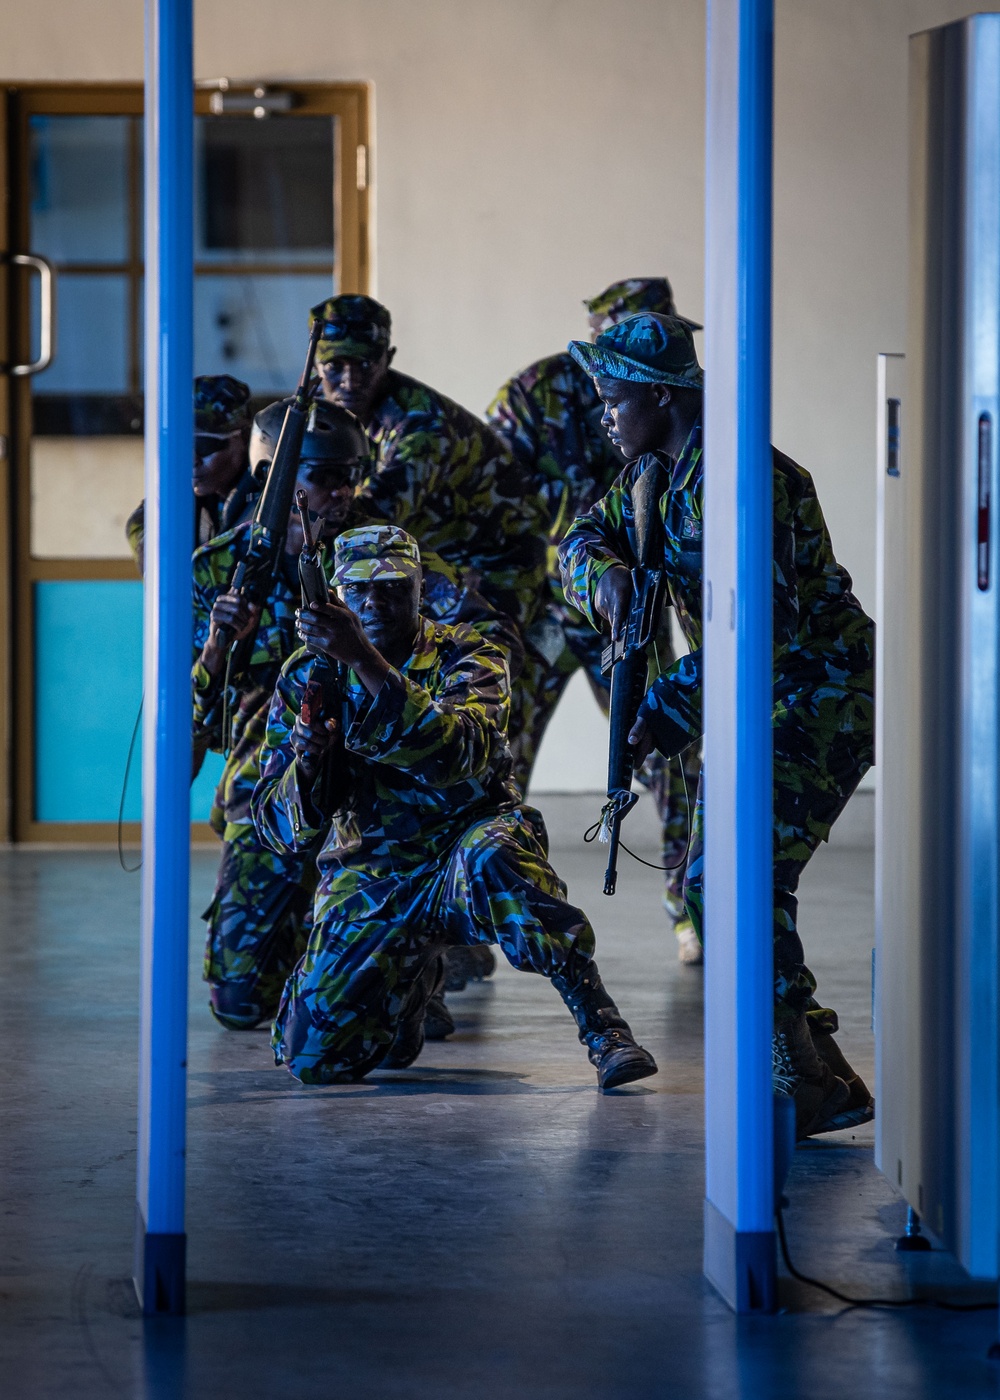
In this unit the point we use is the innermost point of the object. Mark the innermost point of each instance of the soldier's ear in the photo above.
(390, 355)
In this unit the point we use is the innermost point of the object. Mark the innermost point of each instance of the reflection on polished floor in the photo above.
(481, 1224)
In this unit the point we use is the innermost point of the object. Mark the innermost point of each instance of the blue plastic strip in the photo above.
(166, 738)
(738, 643)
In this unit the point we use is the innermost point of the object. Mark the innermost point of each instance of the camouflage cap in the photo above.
(354, 328)
(375, 552)
(221, 403)
(629, 297)
(646, 349)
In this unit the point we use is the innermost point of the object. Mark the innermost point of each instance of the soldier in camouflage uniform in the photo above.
(648, 375)
(224, 490)
(430, 843)
(437, 471)
(257, 915)
(550, 416)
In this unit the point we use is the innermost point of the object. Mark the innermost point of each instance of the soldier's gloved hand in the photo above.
(234, 616)
(613, 597)
(333, 630)
(311, 741)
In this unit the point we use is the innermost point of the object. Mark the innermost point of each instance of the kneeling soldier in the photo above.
(428, 842)
(262, 898)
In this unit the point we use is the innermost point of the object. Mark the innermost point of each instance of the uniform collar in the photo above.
(422, 656)
(687, 463)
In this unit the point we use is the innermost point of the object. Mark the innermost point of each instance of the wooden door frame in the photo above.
(350, 104)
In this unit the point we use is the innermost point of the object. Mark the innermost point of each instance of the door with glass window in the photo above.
(281, 222)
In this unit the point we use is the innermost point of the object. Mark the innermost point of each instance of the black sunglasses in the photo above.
(205, 444)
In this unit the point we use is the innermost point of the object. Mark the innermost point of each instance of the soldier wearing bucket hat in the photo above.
(432, 847)
(550, 416)
(223, 488)
(438, 471)
(647, 373)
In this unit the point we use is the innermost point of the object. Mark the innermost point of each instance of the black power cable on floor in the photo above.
(129, 869)
(868, 1302)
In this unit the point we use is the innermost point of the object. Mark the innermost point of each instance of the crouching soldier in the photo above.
(257, 917)
(224, 490)
(428, 842)
(648, 375)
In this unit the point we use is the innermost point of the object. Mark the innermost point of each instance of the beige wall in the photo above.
(527, 152)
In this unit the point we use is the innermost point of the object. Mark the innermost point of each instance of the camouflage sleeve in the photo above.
(284, 814)
(595, 543)
(204, 690)
(449, 598)
(672, 705)
(785, 621)
(440, 738)
(412, 459)
(515, 416)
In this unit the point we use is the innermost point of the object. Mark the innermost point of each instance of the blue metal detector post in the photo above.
(166, 735)
(739, 1206)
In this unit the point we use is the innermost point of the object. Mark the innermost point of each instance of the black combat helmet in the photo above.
(332, 435)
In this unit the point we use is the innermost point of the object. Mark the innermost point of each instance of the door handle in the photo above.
(47, 318)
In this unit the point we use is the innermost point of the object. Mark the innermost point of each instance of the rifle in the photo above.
(324, 691)
(624, 659)
(254, 575)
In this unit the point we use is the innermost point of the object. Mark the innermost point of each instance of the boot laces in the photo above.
(784, 1074)
(614, 1038)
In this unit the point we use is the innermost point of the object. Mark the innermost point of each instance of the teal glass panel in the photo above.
(92, 345)
(256, 326)
(79, 188)
(88, 686)
(88, 683)
(264, 190)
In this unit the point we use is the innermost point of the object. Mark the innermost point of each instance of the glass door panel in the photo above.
(270, 241)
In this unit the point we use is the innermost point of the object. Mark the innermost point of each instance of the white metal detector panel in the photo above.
(938, 817)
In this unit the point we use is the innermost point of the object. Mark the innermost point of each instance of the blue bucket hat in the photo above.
(646, 349)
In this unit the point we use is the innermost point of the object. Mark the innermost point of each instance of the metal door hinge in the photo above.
(362, 167)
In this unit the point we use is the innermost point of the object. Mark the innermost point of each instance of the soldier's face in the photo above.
(355, 384)
(636, 416)
(389, 610)
(329, 487)
(219, 459)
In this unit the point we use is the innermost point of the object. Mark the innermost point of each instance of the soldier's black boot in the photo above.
(235, 1005)
(468, 962)
(799, 1073)
(438, 1021)
(860, 1107)
(409, 1039)
(603, 1029)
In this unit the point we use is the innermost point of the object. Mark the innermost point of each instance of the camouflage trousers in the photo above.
(342, 1004)
(257, 927)
(557, 649)
(818, 763)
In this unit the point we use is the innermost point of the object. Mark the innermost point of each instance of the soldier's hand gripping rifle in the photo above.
(625, 658)
(323, 695)
(254, 575)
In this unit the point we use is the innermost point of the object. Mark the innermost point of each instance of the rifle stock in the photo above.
(625, 659)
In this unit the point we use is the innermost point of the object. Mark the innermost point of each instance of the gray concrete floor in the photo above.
(483, 1223)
